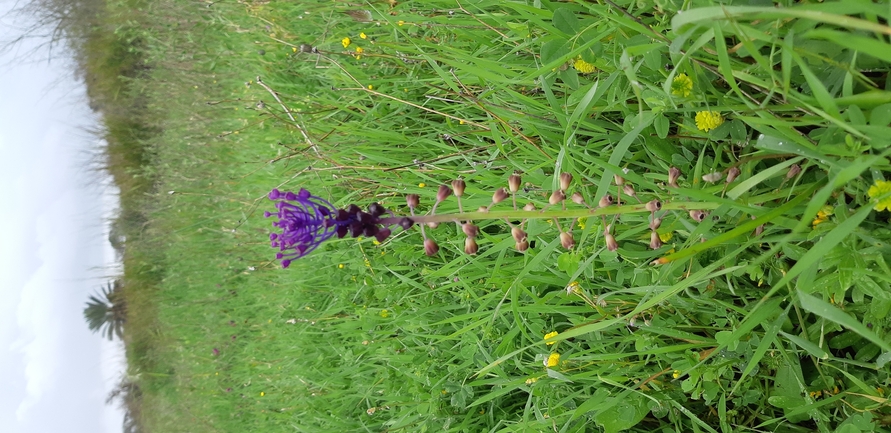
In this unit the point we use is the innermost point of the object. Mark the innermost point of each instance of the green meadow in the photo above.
(761, 128)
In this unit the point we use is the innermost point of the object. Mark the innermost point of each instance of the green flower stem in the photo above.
(535, 214)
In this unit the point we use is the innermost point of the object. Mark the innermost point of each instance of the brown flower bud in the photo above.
(522, 246)
(470, 246)
(793, 171)
(458, 187)
(499, 196)
(759, 230)
(443, 193)
(655, 223)
(673, 175)
(653, 205)
(732, 174)
(518, 234)
(566, 240)
(483, 209)
(655, 242)
(513, 182)
(413, 200)
(611, 243)
(557, 197)
(430, 247)
(529, 207)
(618, 179)
(697, 215)
(606, 201)
(577, 198)
(565, 180)
(629, 190)
(433, 224)
(470, 230)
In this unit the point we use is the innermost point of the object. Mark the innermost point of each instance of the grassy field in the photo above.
(767, 307)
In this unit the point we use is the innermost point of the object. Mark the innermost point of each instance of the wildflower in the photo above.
(370, 87)
(583, 66)
(553, 360)
(346, 42)
(550, 335)
(682, 85)
(665, 237)
(421, 185)
(708, 120)
(385, 314)
(878, 189)
(582, 222)
(573, 287)
(359, 51)
(262, 393)
(400, 23)
(676, 374)
(823, 215)
(306, 221)
(363, 35)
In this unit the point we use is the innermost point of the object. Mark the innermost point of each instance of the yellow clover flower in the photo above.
(583, 66)
(553, 360)
(682, 85)
(363, 35)
(345, 42)
(823, 215)
(878, 189)
(708, 120)
(550, 335)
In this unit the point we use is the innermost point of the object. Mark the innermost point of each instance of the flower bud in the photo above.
(655, 242)
(406, 223)
(566, 240)
(499, 196)
(653, 205)
(628, 189)
(470, 246)
(732, 174)
(376, 210)
(673, 175)
(430, 247)
(433, 224)
(522, 246)
(458, 187)
(483, 209)
(518, 234)
(470, 230)
(655, 223)
(557, 197)
(513, 182)
(443, 193)
(577, 198)
(793, 171)
(606, 201)
(611, 243)
(413, 200)
(697, 215)
(529, 207)
(382, 234)
(619, 179)
(565, 180)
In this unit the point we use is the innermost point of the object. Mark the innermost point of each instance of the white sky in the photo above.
(54, 253)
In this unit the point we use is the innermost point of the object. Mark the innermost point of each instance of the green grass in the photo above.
(783, 331)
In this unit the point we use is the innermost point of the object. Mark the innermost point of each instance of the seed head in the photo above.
(470, 230)
(793, 171)
(628, 189)
(557, 197)
(577, 198)
(513, 182)
(430, 247)
(606, 200)
(619, 179)
(529, 207)
(443, 193)
(499, 196)
(611, 243)
(413, 200)
(458, 187)
(673, 175)
(566, 240)
(433, 224)
(565, 180)
(697, 215)
(518, 234)
(470, 246)
(655, 223)
(655, 242)
(653, 205)
(483, 209)
(522, 246)
(732, 174)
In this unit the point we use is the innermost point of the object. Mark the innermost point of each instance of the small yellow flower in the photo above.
(532, 380)
(553, 360)
(708, 120)
(294, 49)
(385, 314)
(665, 237)
(461, 122)
(421, 185)
(583, 66)
(346, 42)
(582, 221)
(878, 189)
(363, 35)
(359, 50)
(370, 87)
(682, 85)
(262, 393)
(676, 374)
(823, 215)
(375, 242)
(400, 23)
(550, 335)
(340, 266)
(573, 287)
